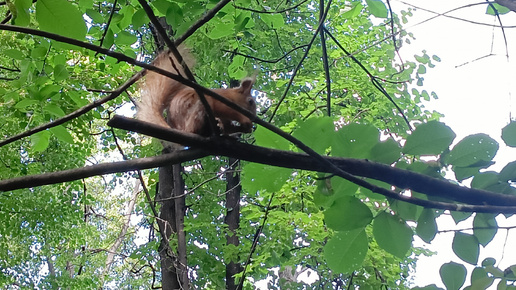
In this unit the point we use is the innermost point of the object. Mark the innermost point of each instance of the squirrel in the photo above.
(183, 107)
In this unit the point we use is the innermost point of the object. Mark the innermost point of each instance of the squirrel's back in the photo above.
(158, 90)
(183, 106)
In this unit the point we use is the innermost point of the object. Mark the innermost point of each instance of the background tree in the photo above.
(329, 75)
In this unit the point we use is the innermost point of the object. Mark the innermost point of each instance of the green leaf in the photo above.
(274, 21)
(40, 141)
(355, 140)
(220, 30)
(22, 16)
(347, 213)
(509, 134)
(480, 279)
(459, 216)
(54, 110)
(426, 226)
(430, 138)
(62, 134)
(405, 210)
(377, 8)
(125, 38)
(386, 152)
(508, 172)
(316, 133)
(60, 72)
(499, 8)
(266, 138)
(139, 18)
(472, 150)
(60, 17)
(259, 176)
(343, 187)
(25, 103)
(353, 12)
(345, 251)
(466, 247)
(485, 228)
(453, 275)
(14, 54)
(392, 234)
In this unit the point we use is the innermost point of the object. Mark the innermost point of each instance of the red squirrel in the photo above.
(184, 110)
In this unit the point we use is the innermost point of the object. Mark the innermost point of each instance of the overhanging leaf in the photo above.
(426, 226)
(60, 17)
(40, 141)
(484, 228)
(62, 134)
(474, 149)
(509, 134)
(316, 133)
(347, 213)
(259, 176)
(466, 247)
(377, 8)
(392, 234)
(430, 138)
(346, 251)
(453, 275)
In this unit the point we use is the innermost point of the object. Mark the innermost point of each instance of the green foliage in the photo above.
(60, 17)
(346, 250)
(453, 275)
(392, 234)
(466, 247)
(509, 134)
(430, 138)
(365, 239)
(347, 213)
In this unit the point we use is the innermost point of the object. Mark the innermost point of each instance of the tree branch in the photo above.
(476, 200)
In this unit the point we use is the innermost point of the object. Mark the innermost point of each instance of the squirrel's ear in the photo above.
(246, 85)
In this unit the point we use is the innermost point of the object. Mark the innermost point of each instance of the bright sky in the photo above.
(474, 89)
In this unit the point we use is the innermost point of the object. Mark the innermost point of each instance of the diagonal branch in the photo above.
(316, 32)
(76, 113)
(374, 80)
(477, 200)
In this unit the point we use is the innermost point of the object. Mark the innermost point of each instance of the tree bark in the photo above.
(167, 226)
(233, 190)
(179, 199)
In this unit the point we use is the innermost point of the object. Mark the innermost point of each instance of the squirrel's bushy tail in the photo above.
(158, 90)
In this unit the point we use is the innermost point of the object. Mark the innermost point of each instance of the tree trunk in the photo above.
(167, 226)
(232, 219)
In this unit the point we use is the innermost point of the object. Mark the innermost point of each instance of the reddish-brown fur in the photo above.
(182, 104)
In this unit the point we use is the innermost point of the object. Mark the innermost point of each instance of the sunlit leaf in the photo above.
(60, 17)
(377, 8)
(40, 141)
(62, 134)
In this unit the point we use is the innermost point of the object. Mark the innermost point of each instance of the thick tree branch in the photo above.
(475, 199)
(99, 169)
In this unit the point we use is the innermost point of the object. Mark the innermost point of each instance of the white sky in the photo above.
(475, 97)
